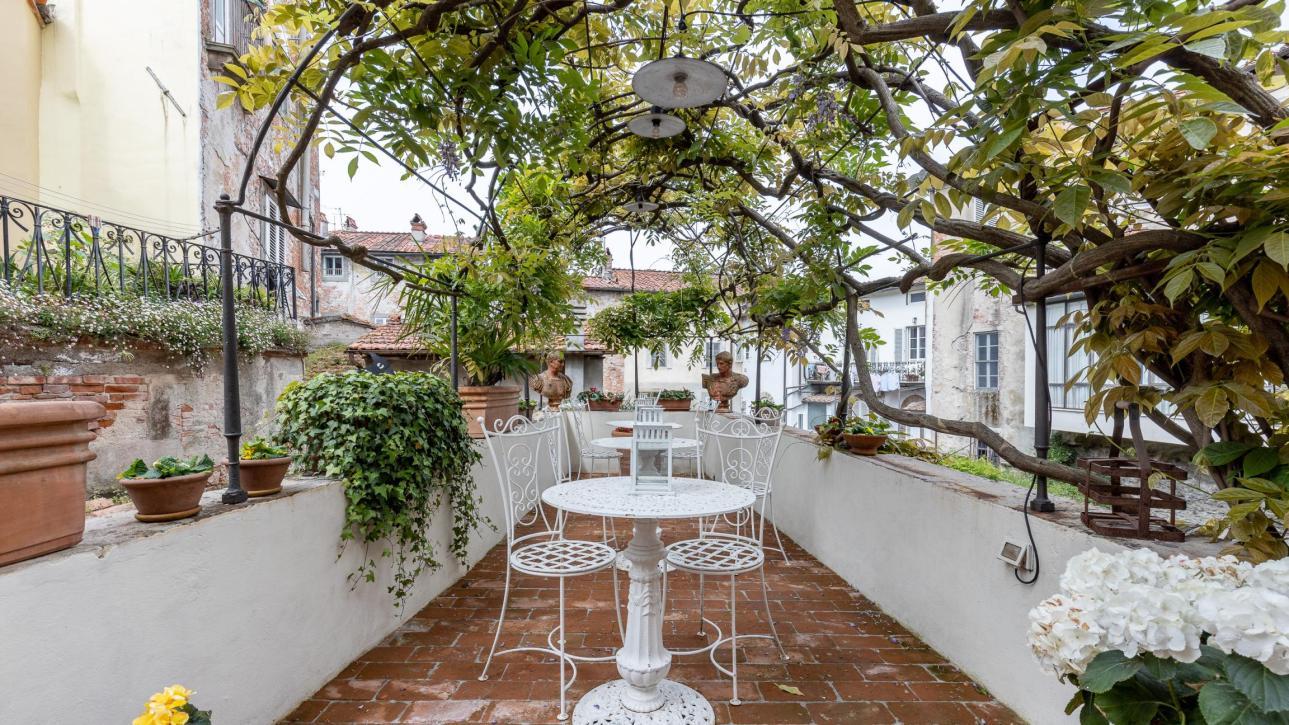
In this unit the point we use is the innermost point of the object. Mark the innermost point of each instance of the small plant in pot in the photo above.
(597, 399)
(169, 489)
(865, 434)
(263, 466)
(527, 407)
(675, 399)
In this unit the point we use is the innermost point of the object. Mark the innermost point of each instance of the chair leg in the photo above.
(702, 623)
(734, 639)
(563, 662)
(765, 597)
(617, 600)
(501, 619)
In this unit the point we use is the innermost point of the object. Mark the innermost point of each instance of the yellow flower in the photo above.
(163, 707)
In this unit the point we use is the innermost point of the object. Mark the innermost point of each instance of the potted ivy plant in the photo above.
(169, 489)
(597, 399)
(865, 434)
(675, 399)
(263, 467)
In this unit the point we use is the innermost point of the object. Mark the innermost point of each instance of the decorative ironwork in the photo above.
(54, 251)
(910, 371)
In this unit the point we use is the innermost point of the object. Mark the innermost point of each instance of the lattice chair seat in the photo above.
(716, 554)
(562, 557)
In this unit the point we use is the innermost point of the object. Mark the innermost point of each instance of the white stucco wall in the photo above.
(107, 134)
(20, 111)
(250, 608)
(920, 541)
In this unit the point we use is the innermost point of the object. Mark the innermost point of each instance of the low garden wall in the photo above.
(156, 405)
(249, 606)
(920, 541)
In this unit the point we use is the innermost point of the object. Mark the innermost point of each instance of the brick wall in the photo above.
(156, 406)
(124, 396)
(614, 373)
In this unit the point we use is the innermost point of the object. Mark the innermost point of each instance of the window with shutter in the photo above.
(899, 345)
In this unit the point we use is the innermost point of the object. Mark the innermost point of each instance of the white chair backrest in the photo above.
(525, 456)
(651, 448)
(744, 448)
(647, 400)
(580, 424)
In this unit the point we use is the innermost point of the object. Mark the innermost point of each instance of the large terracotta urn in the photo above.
(44, 447)
(491, 402)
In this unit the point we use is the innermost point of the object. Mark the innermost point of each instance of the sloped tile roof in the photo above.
(389, 338)
(401, 242)
(647, 280)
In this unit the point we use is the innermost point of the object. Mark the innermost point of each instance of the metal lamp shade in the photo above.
(656, 125)
(680, 82)
(640, 207)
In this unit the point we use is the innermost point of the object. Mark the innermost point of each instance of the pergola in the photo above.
(1125, 158)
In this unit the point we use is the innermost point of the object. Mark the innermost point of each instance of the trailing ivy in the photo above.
(400, 443)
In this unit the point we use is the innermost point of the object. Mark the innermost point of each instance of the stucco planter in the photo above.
(492, 403)
(263, 476)
(864, 445)
(166, 499)
(44, 447)
(675, 405)
(607, 406)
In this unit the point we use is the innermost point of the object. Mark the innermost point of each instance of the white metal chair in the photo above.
(745, 456)
(732, 426)
(702, 410)
(646, 400)
(523, 454)
(582, 437)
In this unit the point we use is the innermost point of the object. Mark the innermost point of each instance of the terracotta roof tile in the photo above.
(388, 338)
(647, 280)
(401, 242)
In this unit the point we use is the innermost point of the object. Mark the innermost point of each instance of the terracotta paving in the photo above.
(851, 662)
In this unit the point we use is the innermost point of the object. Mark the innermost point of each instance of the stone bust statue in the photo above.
(724, 384)
(552, 382)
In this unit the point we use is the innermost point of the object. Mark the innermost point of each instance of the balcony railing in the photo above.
(54, 251)
(910, 371)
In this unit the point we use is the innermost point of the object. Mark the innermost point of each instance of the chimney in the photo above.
(350, 224)
(324, 224)
(418, 228)
(607, 273)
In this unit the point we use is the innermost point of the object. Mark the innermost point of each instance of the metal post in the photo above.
(758, 369)
(234, 494)
(454, 358)
(842, 405)
(1042, 396)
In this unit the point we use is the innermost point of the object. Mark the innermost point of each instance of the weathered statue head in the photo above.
(555, 363)
(724, 362)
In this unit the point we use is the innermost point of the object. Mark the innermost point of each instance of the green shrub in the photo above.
(399, 442)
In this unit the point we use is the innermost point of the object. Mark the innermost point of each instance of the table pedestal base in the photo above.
(681, 706)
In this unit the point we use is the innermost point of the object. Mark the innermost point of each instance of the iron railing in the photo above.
(910, 371)
(53, 251)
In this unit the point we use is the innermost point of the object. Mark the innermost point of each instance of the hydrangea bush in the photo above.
(1150, 640)
(182, 328)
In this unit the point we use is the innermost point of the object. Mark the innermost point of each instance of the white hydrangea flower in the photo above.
(1064, 634)
(1250, 621)
(1095, 573)
(1273, 575)
(1141, 618)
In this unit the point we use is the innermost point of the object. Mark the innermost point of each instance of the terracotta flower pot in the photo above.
(263, 476)
(675, 404)
(491, 402)
(44, 447)
(604, 405)
(166, 499)
(864, 445)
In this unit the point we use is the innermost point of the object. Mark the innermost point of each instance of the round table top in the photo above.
(622, 443)
(631, 424)
(611, 496)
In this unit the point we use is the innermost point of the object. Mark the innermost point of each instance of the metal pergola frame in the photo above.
(227, 206)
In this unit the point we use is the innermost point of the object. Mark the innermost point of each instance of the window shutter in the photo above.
(899, 345)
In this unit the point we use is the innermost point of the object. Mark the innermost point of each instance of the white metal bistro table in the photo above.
(644, 696)
(624, 443)
(631, 424)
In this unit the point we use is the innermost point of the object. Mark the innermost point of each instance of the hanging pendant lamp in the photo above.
(680, 82)
(640, 205)
(656, 124)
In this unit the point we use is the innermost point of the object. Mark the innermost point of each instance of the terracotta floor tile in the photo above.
(852, 662)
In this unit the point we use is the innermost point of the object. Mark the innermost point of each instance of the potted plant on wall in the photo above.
(169, 489)
(675, 399)
(527, 408)
(865, 434)
(766, 410)
(597, 399)
(490, 358)
(44, 447)
(263, 467)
